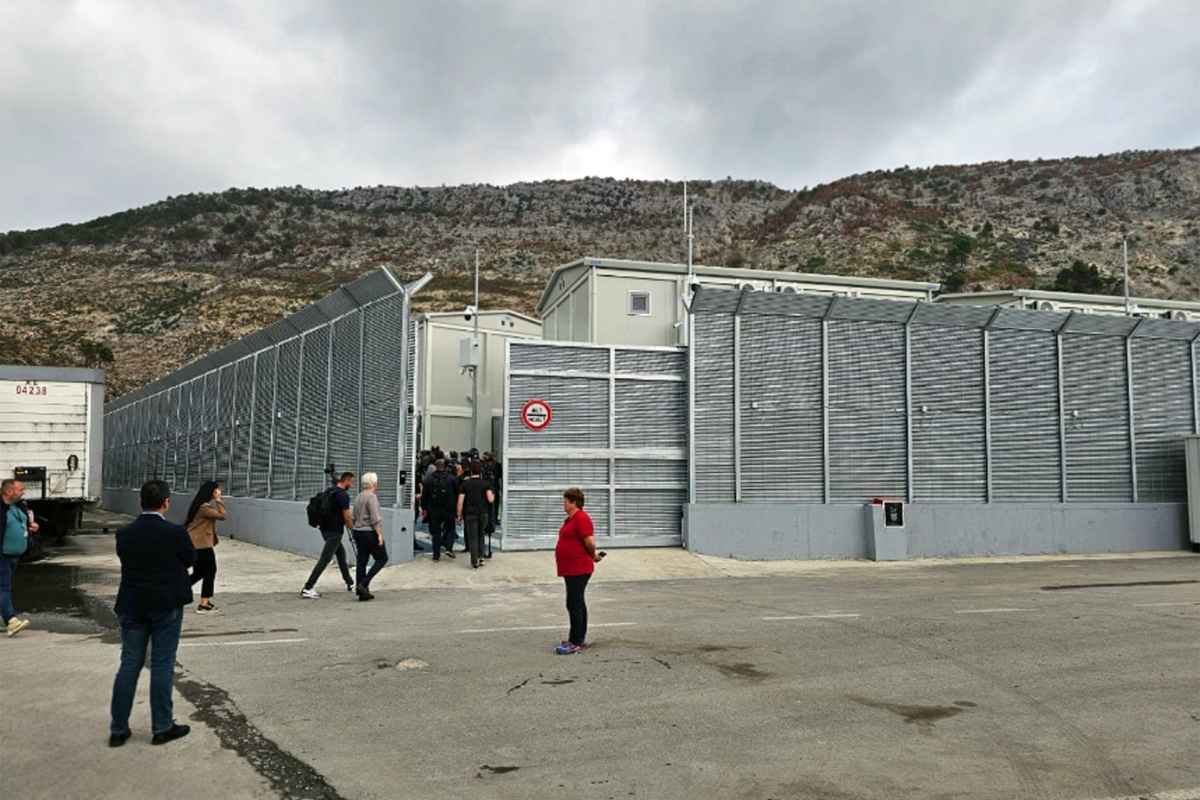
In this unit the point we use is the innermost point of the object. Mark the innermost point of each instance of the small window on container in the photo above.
(639, 304)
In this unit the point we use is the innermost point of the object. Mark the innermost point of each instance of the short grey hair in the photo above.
(370, 479)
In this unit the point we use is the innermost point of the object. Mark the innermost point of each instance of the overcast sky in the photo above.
(105, 105)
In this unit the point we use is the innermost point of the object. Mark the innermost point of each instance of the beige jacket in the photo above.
(203, 529)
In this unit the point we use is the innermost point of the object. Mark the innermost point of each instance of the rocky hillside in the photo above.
(157, 286)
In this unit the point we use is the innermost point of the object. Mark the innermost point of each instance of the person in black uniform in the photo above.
(474, 499)
(438, 497)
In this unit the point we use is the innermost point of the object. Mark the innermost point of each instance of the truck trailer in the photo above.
(52, 440)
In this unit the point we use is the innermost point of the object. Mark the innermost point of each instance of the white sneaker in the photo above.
(310, 594)
(15, 626)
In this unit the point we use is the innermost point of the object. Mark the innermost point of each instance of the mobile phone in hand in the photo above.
(602, 554)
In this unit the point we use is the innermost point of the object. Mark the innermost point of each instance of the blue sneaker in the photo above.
(567, 649)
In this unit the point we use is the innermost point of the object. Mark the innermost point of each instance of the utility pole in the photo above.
(1125, 269)
(477, 359)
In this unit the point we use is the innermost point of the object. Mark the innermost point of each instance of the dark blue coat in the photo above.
(155, 556)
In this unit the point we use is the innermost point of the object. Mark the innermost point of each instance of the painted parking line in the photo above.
(992, 610)
(1165, 605)
(548, 627)
(811, 616)
(241, 644)
(1173, 794)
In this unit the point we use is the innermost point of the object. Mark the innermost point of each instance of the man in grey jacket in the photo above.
(367, 529)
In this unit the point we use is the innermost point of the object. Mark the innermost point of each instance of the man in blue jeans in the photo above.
(155, 557)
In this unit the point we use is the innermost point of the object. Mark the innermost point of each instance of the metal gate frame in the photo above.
(612, 452)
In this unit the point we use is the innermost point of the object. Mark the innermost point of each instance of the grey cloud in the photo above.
(115, 104)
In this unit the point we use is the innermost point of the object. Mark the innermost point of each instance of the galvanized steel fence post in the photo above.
(1133, 470)
(691, 410)
(1195, 397)
(987, 402)
(909, 490)
(1062, 409)
(328, 399)
(362, 380)
(274, 412)
(299, 417)
(737, 399)
(253, 414)
(612, 440)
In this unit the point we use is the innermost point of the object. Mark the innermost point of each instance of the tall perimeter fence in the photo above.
(330, 384)
(808, 399)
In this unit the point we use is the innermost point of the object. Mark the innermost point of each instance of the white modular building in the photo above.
(612, 301)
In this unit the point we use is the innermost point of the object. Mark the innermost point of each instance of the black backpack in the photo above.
(319, 508)
(440, 494)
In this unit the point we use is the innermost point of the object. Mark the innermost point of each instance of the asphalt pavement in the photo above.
(1029, 678)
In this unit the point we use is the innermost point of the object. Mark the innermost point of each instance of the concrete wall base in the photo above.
(769, 531)
(278, 524)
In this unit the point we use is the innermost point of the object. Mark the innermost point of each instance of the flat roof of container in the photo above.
(17, 372)
(673, 268)
(1067, 297)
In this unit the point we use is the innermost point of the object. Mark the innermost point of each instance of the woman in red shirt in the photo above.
(576, 557)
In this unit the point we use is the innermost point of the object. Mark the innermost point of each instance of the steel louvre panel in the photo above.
(871, 310)
(244, 412)
(539, 513)
(260, 445)
(579, 407)
(557, 472)
(649, 512)
(639, 471)
(382, 388)
(563, 359)
(284, 450)
(223, 438)
(1167, 329)
(867, 439)
(651, 414)
(210, 416)
(712, 447)
(709, 300)
(952, 315)
(1163, 415)
(651, 362)
(1097, 419)
(343, 407)
(314, 380)
(948, 427)
(1102, 324)
(195, 452)
(1023, 320)
(781, 399)
(1026, 453)
(785, 304)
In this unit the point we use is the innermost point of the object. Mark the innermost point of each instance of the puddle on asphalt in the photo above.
(47, 593)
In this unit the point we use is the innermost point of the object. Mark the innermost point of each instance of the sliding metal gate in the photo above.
(617, 429)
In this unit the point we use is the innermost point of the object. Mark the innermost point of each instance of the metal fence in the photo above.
(330, 384)
(801, 398)
(618, 430)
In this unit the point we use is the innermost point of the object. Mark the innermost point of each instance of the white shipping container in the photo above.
(53, 418)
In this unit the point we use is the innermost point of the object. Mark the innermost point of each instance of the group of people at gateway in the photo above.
(161, 563)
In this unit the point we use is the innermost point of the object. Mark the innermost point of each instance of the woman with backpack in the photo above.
(207, 508)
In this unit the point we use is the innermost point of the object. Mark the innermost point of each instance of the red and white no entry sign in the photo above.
(536, 414)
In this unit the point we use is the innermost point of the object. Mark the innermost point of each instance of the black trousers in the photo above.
(368, 546)
(333, 547)
(576, 607)
(205, 570)
(473, 533)
(441, 532)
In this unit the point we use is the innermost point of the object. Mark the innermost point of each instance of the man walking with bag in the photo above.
(155, 558)
(335, 520)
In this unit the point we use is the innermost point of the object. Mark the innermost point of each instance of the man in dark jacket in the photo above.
(439, 497)
(155, 557)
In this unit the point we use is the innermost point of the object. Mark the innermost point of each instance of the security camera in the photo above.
(468, 312)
